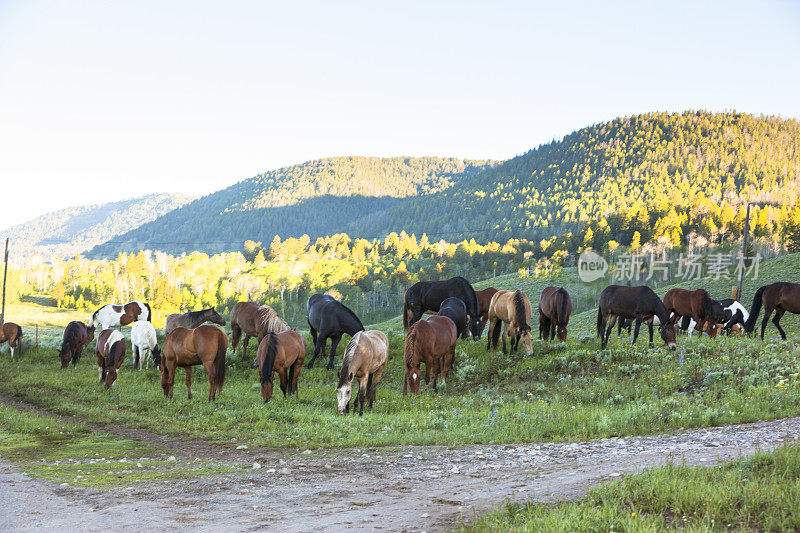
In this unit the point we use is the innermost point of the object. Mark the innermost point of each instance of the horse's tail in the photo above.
(495, 333)
(269, 358)
(406, 309)
(519, 310)
(410, 346)
(562, 311)
(754, 310)
(219, 360)
(149, 312)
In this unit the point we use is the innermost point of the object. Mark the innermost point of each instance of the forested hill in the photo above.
(317, 198)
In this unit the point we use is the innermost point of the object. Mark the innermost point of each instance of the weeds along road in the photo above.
(392, 489)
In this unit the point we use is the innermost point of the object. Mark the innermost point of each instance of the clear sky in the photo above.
(106, 100)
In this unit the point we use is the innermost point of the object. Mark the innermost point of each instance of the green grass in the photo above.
(761, 493)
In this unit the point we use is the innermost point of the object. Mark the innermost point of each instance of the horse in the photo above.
(738, 315)
(11, 332)
(192, 319)
(145, 345)
(431, 341)
(76, 336)
(204, 345)
(779, 297)
(429, 295)
(454, 309)
(364, 360)
(112, 315)
(555, 306)
(695, 304)
(255, 321)
(329, 318)
(484, 299)
(283, 353)
(110, 350)
(640, 303)
(512, 309)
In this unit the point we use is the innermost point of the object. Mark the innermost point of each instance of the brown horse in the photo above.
(12, 333)
(192, 319)
(255, 321)
(640, 303)
(364, 359)
(555, 306)
(76, 336)
(110, 349)
(779, 297)
(512, 309)
(697, 305)
(203, 345)
(484, 299)
(431, 341)
(283, 353)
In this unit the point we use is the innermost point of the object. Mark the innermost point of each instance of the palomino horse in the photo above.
(12, 333)
(697, 305)
(192, 319)
(145, 345)
(429, 295)
(110, 350)
(484, 299)
(255, 321)
(112, 315)
(203, 345)
(364, 360)
(555, 306)
(513, 309)
(779, 297)
(431, 341)
(76, 336)
(283, 353)
(329, 318)
(640, 303)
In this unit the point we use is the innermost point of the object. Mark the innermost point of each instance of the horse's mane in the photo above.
(562, 315)
(352, 314)
(198, 314)
(269, 358)
(269, 320)
(519, 309)
(348, 359)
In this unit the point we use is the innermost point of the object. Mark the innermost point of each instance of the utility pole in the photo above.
(744, 253)
(5, 273)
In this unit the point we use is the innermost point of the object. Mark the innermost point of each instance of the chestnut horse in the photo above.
(203, 345)
(112, 315)
(12, 333)
(431, 341)
(364, 360)
(76, 336)
(512, 309)
(640, 303)
(779, 297)
(555, 306)
(255, 321)
(192, 319)
(484, 299)
(110, 349)
(283, 353)
(696, 305)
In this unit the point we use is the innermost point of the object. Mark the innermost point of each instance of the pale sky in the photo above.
(101, 101)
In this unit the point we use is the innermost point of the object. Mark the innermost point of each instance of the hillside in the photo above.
(316, 198)
(75, 230)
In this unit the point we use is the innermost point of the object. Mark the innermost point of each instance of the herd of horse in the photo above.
(456, 309)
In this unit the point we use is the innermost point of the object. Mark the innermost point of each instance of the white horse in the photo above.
(145, 345)
(112, 315)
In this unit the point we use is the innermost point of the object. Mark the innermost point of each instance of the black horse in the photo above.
(455, 310)
(429, 295)
(329, 318)
(640, 303)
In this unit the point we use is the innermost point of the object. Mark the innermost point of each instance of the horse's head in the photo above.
(527, 339)
(414, 377)
(561, 332)
(668, 334)
(216, 318)
(90, 334)
(109, 375)
(157, 357)
(266, 390)
(64, 355)
(475, 327)
(343, 393)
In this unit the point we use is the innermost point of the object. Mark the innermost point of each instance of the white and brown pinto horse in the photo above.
(364, 360)
(110, 354)
(113, 315)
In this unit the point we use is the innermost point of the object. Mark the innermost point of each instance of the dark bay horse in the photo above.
(192, 319)
(283, 353)
(364, 360)
(112, 315)
(431, 341)
(329, 318)
(512, 309)
(640, 303)
(204, 345)
(110, 348)
(76, 336)
(484, 299)
(254, 321)
(696, 305)
(12, 333)
(555, 306)
(778, 297)
(429, 295)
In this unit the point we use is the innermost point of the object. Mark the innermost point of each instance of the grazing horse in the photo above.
(12, 333)
(192, 319)
(76, 336)
(431, 341)
(110, 349)
(429, 295)
(283, 353)
(695, 304)
(484, 299)
(779, 297)
(329, 318)
(640, 303)
(364, 360)
(454, 309)
(255, 321)
(738, 315)
(512, 309)
(112, 315)
(555, 306)
(145, 345)
(204, 345)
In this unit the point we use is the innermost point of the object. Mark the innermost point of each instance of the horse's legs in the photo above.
(650, 331)
(189, 381)
(374, 379)
(211, 372)
(297, 366)
(284, 381)
(319, 346)
(610, 320)
(489, 329)
(135, 357)
(313, 334)
(362, 391)
(505, 333)
(637, 327)
(767, 313)
(777, 321)
(236, 334)
(436, 369)
(334, 344)
(244, 346)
